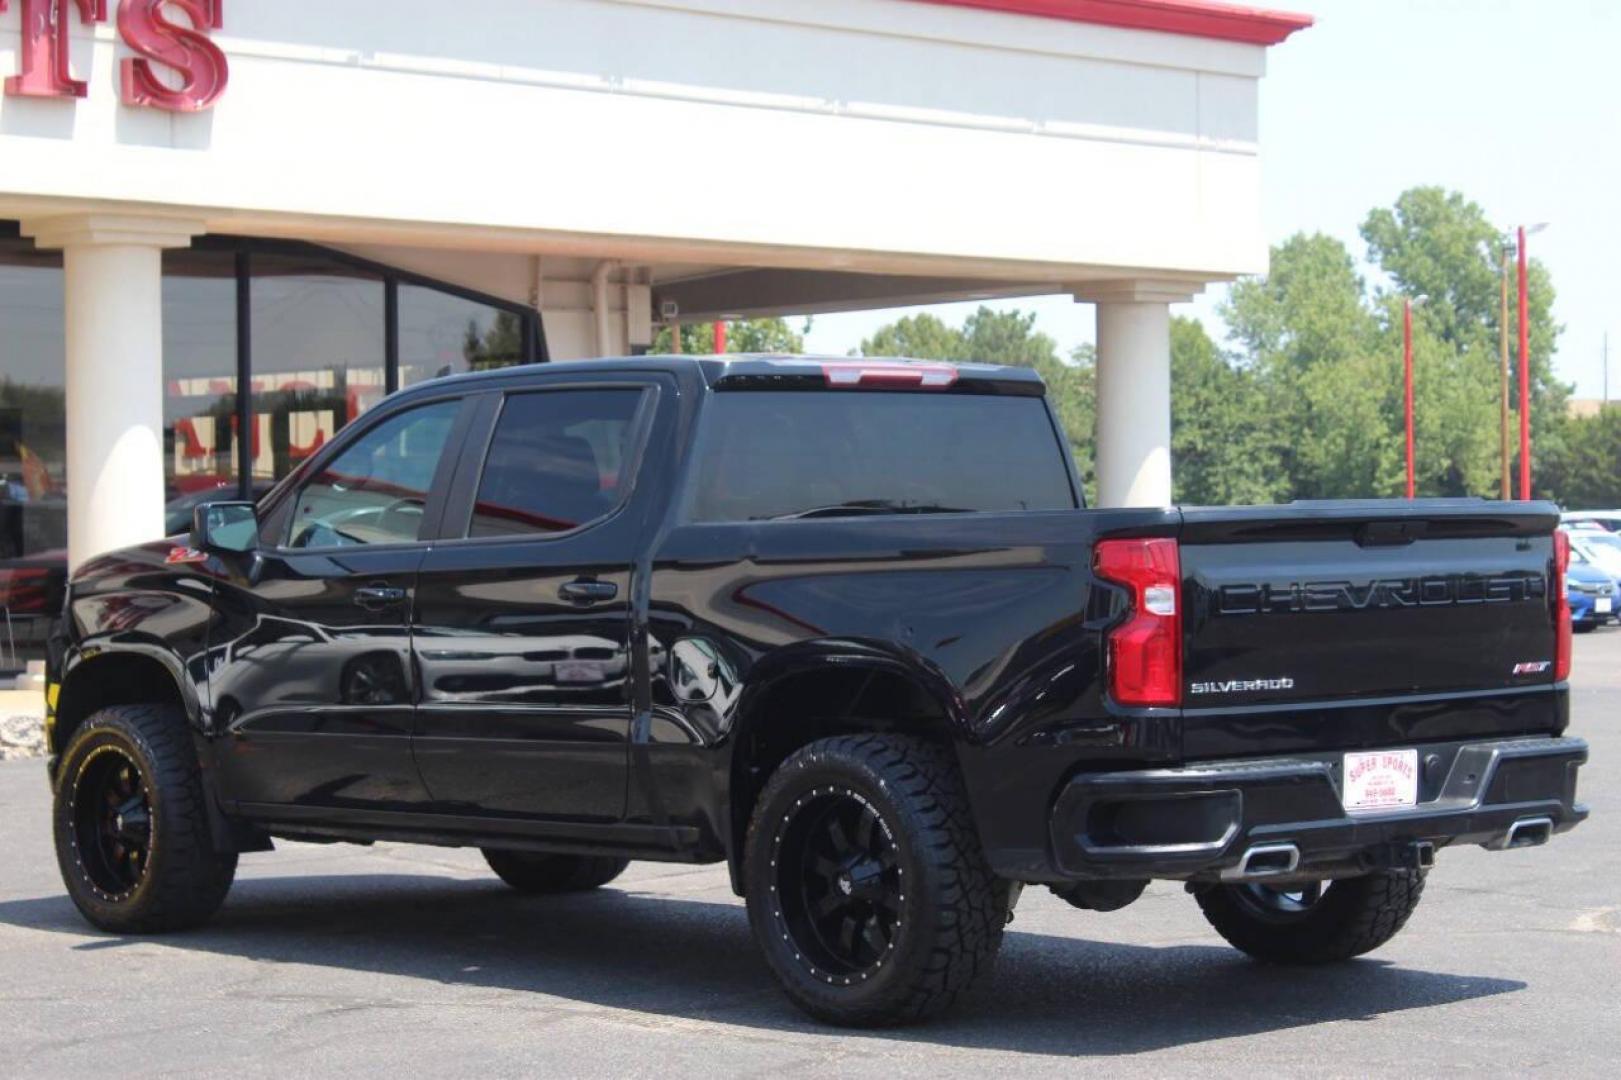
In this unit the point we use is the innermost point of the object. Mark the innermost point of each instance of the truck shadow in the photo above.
(696, 960)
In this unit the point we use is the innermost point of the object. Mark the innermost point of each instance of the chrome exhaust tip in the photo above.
(1264, 860)
(1528, 832)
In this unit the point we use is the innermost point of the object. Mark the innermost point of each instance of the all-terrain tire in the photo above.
(180, 880)
(949, 910)
(532, 872)
(1352, 917)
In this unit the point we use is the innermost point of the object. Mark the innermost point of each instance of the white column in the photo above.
(1134, 390)
(113, 282)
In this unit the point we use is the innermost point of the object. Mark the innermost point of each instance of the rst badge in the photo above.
(1534, 667)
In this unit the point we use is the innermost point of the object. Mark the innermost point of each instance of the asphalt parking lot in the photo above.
(416, 961)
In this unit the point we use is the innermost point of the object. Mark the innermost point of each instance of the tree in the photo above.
(1223, 451)
(498, 347)
(1328, 389)
(1438, 244)
(742, 336)
(1584, 472)
(923, 337)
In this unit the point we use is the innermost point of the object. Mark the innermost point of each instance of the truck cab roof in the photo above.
(766, 370)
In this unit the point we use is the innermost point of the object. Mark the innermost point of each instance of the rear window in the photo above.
(768, 455)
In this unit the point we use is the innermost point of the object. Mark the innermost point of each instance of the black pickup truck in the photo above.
(844, 625)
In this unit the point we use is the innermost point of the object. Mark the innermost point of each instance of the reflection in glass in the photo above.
(199, 377)
(318, 356)
(441, 334)
(33, 464)
(555, 462)
(375, 491)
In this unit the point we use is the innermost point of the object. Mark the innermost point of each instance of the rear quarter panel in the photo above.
(997, 615)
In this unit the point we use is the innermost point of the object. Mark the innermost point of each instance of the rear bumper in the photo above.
(1200, 822)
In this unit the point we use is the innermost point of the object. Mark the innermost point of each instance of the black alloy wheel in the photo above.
(839, 884)
(1281, 903)
(112, 823)
(133, 838)
(867, 889)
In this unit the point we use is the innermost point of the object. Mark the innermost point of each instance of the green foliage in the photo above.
(1222, 451)
(1437, 244)
(923, 337)
(498, 347)
(742, 336)
(1584, 472)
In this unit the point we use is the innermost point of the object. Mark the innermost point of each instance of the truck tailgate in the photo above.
(1343, 624)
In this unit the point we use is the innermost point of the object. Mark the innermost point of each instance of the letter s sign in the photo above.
(186, 50)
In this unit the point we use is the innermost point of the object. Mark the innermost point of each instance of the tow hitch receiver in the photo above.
(1405, 855)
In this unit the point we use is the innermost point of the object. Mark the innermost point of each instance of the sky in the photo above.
(1515, 103)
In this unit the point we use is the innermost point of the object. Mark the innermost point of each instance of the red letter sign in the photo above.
(45, 47)
(185, 49)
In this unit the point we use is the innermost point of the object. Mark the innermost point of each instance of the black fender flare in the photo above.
(81, 660)
(810, 657)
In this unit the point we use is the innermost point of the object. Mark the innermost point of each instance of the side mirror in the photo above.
(225, 526)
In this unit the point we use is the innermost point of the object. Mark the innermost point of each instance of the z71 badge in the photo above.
(1241, 686)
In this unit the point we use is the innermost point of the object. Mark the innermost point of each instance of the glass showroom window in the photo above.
(33, 466)
(317, 333)
(199, 382)
(444, 334)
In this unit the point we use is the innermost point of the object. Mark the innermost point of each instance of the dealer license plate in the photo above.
(1603, 605)
(1380, 780)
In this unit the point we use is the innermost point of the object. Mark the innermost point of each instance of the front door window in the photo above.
(376, 491)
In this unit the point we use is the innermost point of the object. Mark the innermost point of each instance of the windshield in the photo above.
(774, 455)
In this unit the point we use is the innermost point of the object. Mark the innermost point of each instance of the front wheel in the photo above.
(867, 889)
(132, 833)
(1316, 922)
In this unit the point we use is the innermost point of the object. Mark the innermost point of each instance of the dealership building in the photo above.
(230, 227)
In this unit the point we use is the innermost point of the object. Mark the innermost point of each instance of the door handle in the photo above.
(583, 593)
(373, 597)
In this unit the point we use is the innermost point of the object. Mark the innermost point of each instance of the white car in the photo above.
(1602, 549)
(1608, 520)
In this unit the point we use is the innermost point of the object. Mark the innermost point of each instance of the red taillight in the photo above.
(859, 373)
(1145, 651)
(1561, 616)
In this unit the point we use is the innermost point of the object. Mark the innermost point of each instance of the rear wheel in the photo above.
(131, 827)
(867, 889)
(1316, 922)
(531, 872)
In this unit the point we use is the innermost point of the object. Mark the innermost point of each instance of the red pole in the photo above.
(1407, 369)
(1525, 380)
(720, 337)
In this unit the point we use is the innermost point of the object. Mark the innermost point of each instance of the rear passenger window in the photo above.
(558, 461)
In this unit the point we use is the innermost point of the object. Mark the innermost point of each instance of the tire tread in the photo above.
(970, 902)
(1355, 916)
(190, 879)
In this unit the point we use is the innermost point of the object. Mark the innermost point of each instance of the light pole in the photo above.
(1525, 364)
(1407, 376)
(1504, 251)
